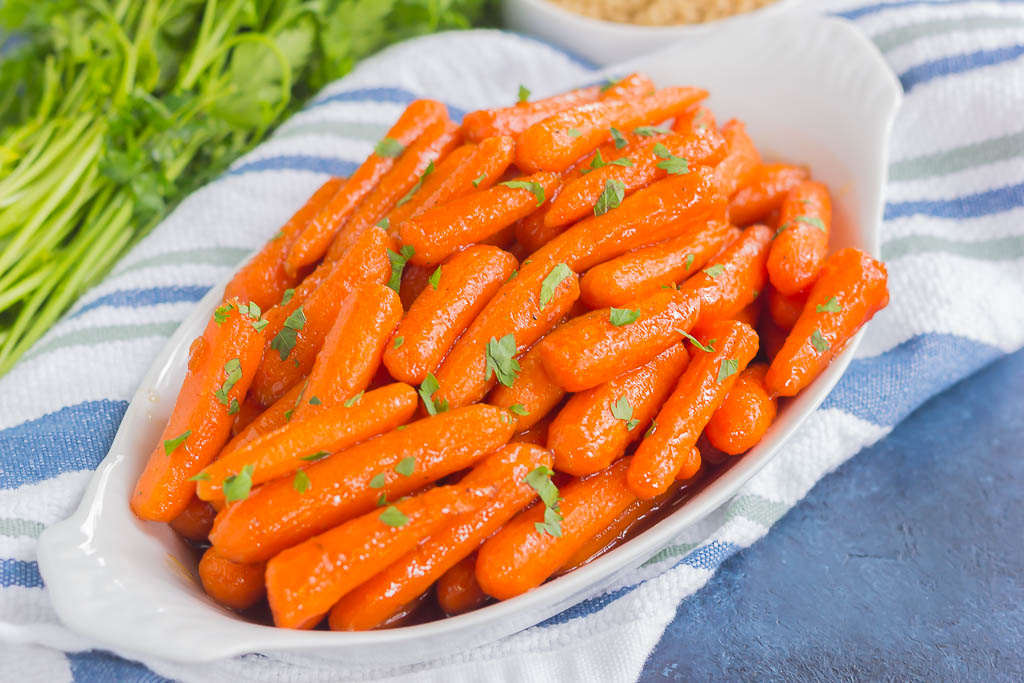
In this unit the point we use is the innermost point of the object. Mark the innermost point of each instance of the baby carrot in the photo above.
(352, 350)
(661, 457)
(457, 590)
(801, 242)
(484, 123)
(195, 521)
(524, 310)
(439, 232)
(852, 287)
(384, 595)
(596, 426)
(784, 309)
(266, 276)
(694, 118)
(251, 410)
(751, 314)
(457, 292)
(304, 581)
(690, 470)
(298, 443)
(292, 343)
(643, 272)
(312, 243)
(532, 396)
(741, 161)
(632, 86)
(532, 232)
(745, 414)
(221, 366)
(232, 584)
(734, 279)
(772, 337)
(599, 346)
(765, 192)
(556, 142)
(352, 482)
(401, 182)
(521, 556)
(537, 434)
(269, 420)
(653, 160)
(414, 280)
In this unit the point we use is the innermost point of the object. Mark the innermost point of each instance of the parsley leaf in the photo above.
(285, 340)
(819, 342)
(314, 457)
(611, 82)
(808, 220)
(573, 132)
(419, 183)
(540, 481)
(315, 401)
(729, 367)
(622, 410)
(406, 466)
(518, 409)
(611, 197)
(234, 407)
(648, 131)
(237, 486)
(398, 342)
(301, 482)
(524, 94)
(650, 430)
(479, 179)
(595, 163)
(435, 278)
(260, 325)
(392, 516)
(536, 188)
(287, 296)
(389, 148)
(830, 306)
(353, 400)
(233, 368)
(715, 270)
(674, 165)
(550, 283)
(398, 262)
(621, 161)
(689, 261)
(220, 316)
(171, 444)
(500, 359)
(201, 476)
(620, 139)
(623, 316)
(693, 340)
(382, 500)
(428, 388)
(378, 481)
(384, 223)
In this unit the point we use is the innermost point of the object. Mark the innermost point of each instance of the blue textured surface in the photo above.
(905, 563)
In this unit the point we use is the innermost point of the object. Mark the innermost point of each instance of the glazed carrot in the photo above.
(221, 365)
(694, 118)
(556, 142)
(250, 411)
(484, 123)
(596, 426)
(532, 232)
(632, 86)
(661, 457)
(414, 279)
(765, 192)
(457, 590)
(532, 396)
(599, 346)
(520, 557)
(292, 343)
(514, 319)
(311, 245)
(852, 287)
(380, 598)
(269, 420)
(304, 581)
(745, 414)
(464, 284)
(300, 442)
(277, 516)
(751, 315)
(651, 161)
(439, 232)
(404, 180)
(352, 350)
(537, 434)
(458, 174)
(772, 337)
(232, 584)
(734, 279)
(690, 470)
(785, 310)
(265, 277)
(801, 242)
(195, 521)
(643, 272)
(741, 161)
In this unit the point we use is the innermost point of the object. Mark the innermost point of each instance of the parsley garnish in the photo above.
(729, 367)
(382, 500)
(524, 94)
(171, 444)
(499, 356)
(389, 148)
(234, 407)
(220, 316)
(419, 183)
(285, 340)
(406, 466)
(620, 139)
(693, 340)
(536, 188)
(648, 131)
(830, 306)
(201, 476)
(650, 430)
(314, 400)
(621, 161)
(622, 410)
(608, 84)
(260, 325)
(398, 342)
(353, 400)
(595, 163)
(301, 482)
(623, 316)
(398, 262)
(809, 220)
(428, 388)
(672, 164)
(715, 270)
(518, 409)
(233, 368)
(689, 261)
(479, 179)
(378, 481)
(392, 516)
(287, 296)
(237, 486)
(384, 223)
(313, 457)
(540, 481)
(611, 197)
(435, 278)
(547, 287)
(819, 342)
(573, 132)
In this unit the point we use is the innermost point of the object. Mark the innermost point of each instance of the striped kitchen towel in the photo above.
(953, 239)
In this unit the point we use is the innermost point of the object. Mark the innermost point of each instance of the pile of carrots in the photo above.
(486, 356)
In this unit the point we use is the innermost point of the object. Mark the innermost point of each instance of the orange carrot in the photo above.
(643, 272)
(195, 521)
(765, 192)
(249, 412)
(772, 337)
(852, 287)
(751, 315)
(312, 438)
(221, 366)
(384, 595)
(352, 350)
(457, 590)
(785, 310)
(292, 343)
(521, 556)
(694, 118)
(690, 470)
(400, 184)
(462, 286)
(265, 277)
(537, 434)
(312, 243)
(632, 86)
(532, 396)
(524, 310)
(556, 142)
(414, 280)
(601, 345)
(661, 457)
(439, 232)
(270, 419)
(350, 483)
(304, 581)
(484, 123)
(801, 242)
(745, 414)
(741, 161)
(596, 426)
(232, 584)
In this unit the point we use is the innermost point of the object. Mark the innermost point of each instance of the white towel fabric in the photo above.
(953, 240)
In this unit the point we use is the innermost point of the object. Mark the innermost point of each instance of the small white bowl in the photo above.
(609, 42)
(812, 90)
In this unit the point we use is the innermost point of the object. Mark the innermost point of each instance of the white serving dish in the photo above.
(810, 89)
(610, 42)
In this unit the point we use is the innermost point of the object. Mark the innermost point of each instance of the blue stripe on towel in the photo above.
(955, 64)
(20, 573)
(150, 296)
(901, 4)
(966, 206)
(298, 162)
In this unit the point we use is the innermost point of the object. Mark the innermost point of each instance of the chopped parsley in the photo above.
(536, 188)
(171, 444)
(234, 407)
(284, 341)
(715, 270)
(419, 183)
(384, 223)
(378, 481)
(315, 401)
(518, 409)
(233, 368)
(435, 278)
(398, 262)
(389, 148)
(623, 316)
(619, 138)
(523, 95)
(479, 179)
(428, 388)
(314, 457)
(540, 481)
(353, 400)
(611, 197)
(622, 410)
(398, 342)
(573, 132)
(693, 340)
(500, 359)
(237, 486)
(729, 367)
(301, 482)
(650, 430)
(689, 261)
(201, 476)
(220, 316)
(648, 131)
(550, 283)
(830, 306)
(671, 164)
(287, 296)
(406, 466)
(819, 342)
(392, 516)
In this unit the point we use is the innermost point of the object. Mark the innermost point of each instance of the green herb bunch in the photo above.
(111, 111)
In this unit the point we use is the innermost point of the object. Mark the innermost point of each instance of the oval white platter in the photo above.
(812, 90)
